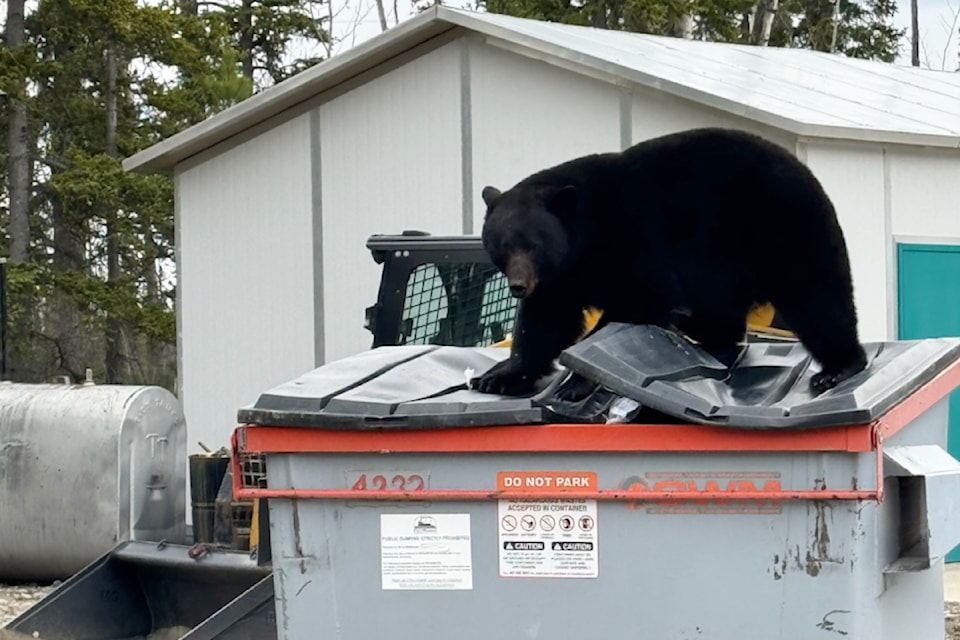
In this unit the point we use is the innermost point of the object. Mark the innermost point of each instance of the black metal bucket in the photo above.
(206, 475)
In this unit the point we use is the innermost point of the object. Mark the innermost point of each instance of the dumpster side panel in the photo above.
(721, 570)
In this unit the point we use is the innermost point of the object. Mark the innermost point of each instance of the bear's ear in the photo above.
(563, 203)
(490, 195)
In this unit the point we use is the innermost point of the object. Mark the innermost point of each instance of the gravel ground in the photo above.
(15, 599)
(952, 619)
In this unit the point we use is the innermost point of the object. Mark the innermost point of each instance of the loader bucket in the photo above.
(145, 590)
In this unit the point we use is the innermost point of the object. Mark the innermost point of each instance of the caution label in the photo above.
(547, 537)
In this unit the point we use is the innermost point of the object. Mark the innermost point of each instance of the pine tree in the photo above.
(100, 80)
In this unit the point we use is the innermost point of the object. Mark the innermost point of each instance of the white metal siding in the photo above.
(245, 277)
(528, 115)
(925, 193)
(390, 158)
(656, 114)
(853, 177)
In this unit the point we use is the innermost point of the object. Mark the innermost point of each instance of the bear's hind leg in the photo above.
(826, 324)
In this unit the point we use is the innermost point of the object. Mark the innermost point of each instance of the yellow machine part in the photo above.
(760, 320)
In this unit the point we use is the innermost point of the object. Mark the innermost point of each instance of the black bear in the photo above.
(686, 231)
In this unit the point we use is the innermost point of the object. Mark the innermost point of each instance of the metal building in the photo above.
(276, 196)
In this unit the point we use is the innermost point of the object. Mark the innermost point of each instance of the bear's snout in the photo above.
(521, 276)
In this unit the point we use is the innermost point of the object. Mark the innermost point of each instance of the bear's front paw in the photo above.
(505, 378)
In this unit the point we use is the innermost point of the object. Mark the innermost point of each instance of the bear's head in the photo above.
(528, 234)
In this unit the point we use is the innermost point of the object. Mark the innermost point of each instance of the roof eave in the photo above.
(163, 156)
(878, 136)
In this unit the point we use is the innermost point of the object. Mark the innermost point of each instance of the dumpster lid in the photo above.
(768, 386)
(411, 387)
(670, 378)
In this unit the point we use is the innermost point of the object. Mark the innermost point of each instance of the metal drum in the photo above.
(83, 467)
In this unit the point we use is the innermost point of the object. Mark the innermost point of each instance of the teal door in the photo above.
(928, 292)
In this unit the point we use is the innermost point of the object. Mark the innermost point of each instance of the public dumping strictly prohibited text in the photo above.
(425, 551)
(547, 537)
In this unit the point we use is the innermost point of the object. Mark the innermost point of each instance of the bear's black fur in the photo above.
(686, 231)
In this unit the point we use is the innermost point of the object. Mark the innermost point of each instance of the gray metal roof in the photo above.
(805, 92)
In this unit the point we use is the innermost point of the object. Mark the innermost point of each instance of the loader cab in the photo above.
(438, 290)
(444, 290)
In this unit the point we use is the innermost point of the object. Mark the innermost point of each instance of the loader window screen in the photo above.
(424, 306)
(458, 304)
(497, 309)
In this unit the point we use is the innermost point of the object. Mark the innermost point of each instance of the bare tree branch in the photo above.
(50, 161)
(211, 3)
(951, 31)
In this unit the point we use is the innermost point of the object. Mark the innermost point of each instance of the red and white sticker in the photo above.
(547, 537)
(546, 481)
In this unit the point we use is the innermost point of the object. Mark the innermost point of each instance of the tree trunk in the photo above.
(246, 38)
(836, 26)
(72, 347)
(154, 368)
(763, 15)
(382, 15)
(914, 34)
(114, 329)
(599, 18)
(680, 22)
(607, 14)
(19, 152)
(188, 7)
(681, 26)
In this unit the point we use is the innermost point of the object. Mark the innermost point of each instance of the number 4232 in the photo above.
(389, 482)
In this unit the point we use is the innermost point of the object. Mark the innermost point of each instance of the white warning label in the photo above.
(548, 537)
(426, 551)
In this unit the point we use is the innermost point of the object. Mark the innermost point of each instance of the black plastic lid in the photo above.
(674, 380)
(413, 387)
(768, 387)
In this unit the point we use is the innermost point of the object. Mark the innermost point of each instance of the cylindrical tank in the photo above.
(83, 467)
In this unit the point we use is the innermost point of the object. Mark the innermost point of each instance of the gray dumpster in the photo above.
(680, 500)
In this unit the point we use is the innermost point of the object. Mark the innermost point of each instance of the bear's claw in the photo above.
(826, 380)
